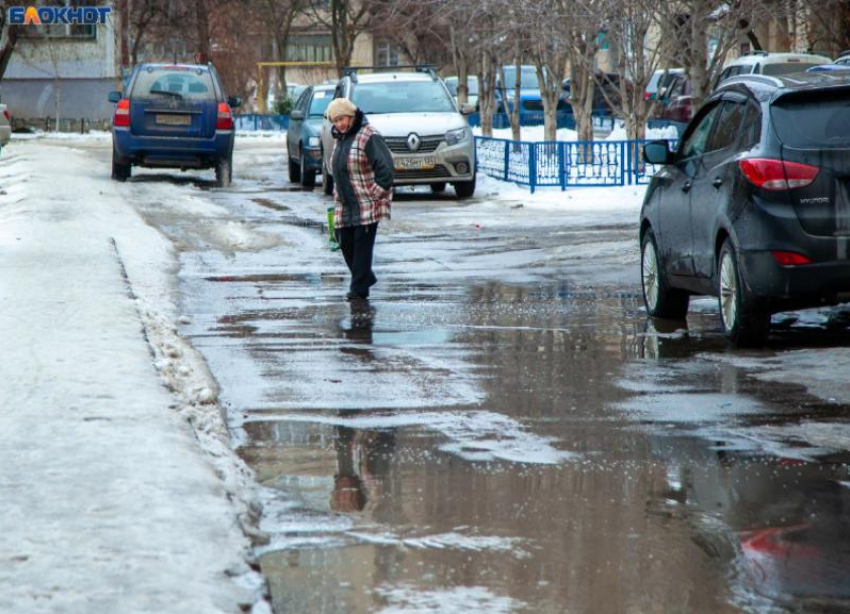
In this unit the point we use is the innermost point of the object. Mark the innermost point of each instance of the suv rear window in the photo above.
(403, 97)
(178, 83)
(820, 119)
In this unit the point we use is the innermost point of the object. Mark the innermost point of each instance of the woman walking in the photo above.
(362, 169)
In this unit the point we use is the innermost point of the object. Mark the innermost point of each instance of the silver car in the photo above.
(5, 125)
(429, 138)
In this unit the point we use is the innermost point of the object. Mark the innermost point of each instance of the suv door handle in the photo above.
(717, 182)
(686, 187)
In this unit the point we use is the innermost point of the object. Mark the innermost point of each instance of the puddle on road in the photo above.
(491, 448)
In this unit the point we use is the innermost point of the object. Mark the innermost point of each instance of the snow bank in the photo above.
(120, 492)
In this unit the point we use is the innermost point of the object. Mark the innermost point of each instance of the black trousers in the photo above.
(357, 244)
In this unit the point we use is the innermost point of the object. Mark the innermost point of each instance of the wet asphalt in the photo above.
(500, 428)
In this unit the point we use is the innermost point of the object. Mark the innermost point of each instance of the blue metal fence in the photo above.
(564, 120)
(254, 121)
(564, 163)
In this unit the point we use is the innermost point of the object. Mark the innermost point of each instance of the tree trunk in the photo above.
(8, 48)
(203, 25)
(516, 129)
(550, 117)
(582, 85)
(486, 92)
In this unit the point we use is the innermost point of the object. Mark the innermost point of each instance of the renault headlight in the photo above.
(453, 137)
(314, 141)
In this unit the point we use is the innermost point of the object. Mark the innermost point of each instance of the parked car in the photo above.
(530, 99)
(606, 92)
(471, 83)
(675, 101)
(5, 125)
(829, 68)
(304, 136)
(429, 138)
(294, 90)
(752, 207)
(661, 81)
(773, 64)
(173, 116)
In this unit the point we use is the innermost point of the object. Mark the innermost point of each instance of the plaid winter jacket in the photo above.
(363, 176)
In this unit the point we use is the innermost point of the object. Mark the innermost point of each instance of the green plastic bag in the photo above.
(332, 243)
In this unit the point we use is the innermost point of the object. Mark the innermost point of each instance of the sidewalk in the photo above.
(119, 492)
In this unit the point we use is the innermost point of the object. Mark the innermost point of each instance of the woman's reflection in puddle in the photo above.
(363, 457)
(362, 465)
(359, 329)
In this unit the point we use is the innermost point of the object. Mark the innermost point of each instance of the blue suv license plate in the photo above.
(174, 120)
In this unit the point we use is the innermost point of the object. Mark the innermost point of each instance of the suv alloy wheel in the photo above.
(661, 300)
(743, 323)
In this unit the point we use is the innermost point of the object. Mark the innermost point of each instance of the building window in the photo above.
(309, 49)
(386, 52)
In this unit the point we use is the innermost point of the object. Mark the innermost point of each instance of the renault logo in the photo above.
(413, 142)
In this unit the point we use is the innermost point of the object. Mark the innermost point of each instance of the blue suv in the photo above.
(173, 116)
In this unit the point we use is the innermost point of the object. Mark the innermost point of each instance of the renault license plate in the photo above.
(174, 120)
(415, 164)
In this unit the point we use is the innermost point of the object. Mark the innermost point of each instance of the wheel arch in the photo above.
(719, 240)
(645, 226)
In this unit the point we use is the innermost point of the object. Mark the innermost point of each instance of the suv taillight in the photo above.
(7, 115)
(225, 117)
(122, 113)
(771, 174)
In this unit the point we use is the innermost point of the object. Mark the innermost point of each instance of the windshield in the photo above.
(176, 83)
(528, 77)
(402, 97)
(820, 119)
(320, 102)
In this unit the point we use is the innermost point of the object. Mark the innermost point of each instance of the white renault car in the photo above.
(429, 138)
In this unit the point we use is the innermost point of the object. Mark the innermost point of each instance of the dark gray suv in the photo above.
(754, 205)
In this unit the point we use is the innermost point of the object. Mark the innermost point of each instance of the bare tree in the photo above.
(142, 16)
(705, 31)
(641, 49)
(826, 24)
(490, 32)
(235, 60)
(584, 32)
(8, 35)
(550, 55)
(345, 20)
(416, 27)
(279, 15)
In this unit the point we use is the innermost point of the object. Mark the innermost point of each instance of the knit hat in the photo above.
(339, 107)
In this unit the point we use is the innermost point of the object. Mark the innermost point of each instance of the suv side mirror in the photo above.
(657, 152)
(298, 114)
(467, 109)
(114, 97)
(234, 102)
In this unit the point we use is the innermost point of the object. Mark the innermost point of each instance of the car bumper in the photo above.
(446, 164)
(789, 287)
(5, 135)
(172, 151)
